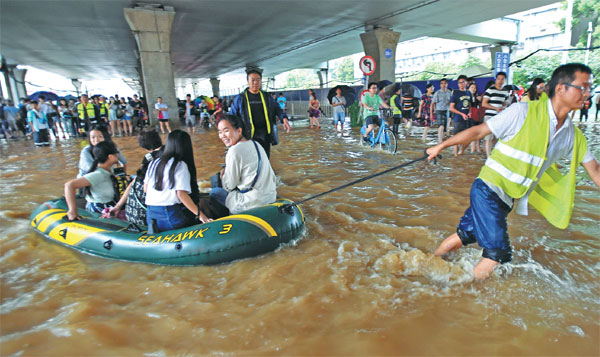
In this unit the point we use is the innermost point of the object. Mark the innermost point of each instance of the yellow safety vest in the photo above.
(250, 113)
(89, 108)
(103, 109)
(514, 165)
(393, 105)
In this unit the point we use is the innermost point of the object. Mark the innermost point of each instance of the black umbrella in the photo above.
(50, 96)
(411, 89)
(510, 87)
(406, 88)
(382, 84)
(347, 92)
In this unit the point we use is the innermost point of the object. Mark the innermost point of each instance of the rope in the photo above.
(287, 208)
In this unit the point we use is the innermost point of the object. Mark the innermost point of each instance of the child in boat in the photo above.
(98, 182)
(171, 187)
(134, 197)
(98, 134)
(248, 180)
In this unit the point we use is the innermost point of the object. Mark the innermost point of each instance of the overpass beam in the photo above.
(19, 75)
(214, 83)
(151, 27)
(381, 43)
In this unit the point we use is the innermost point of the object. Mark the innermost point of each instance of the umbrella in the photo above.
(476, 70)
(510, 87)
(49, 95)
(69, 97)
(408, 88)
(391, 89)
(382, 84)
(209, 101)
(347, 92)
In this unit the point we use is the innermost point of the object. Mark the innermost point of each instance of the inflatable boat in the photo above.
(251, 233)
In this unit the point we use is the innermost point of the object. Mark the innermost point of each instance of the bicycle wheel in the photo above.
(390, 143)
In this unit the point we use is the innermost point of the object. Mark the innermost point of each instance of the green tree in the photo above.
(539, 65)
(301, 78)
(586, 10)
(344, 72)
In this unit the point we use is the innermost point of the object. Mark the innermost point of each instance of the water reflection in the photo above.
(361, 281)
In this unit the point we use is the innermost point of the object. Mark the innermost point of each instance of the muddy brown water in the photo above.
(361, 281)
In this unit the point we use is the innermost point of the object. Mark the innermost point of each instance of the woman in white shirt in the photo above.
(171, 187)
(248, 180)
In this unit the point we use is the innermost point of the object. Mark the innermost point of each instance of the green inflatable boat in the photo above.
(251, 233)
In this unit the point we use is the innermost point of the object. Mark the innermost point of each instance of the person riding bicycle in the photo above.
(371, 102)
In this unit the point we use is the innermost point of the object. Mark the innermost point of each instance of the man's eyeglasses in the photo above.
(581, 88)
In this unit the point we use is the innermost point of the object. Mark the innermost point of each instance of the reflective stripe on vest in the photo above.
(393, 105)
(90, 111)
(514, 166)
(250, 113)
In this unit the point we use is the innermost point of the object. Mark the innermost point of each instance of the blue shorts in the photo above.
(372, 119)
(484, 222)
(339, 117)
(220, 194)
(126, 117)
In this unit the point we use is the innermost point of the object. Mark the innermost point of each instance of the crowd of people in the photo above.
(45, 120)
(531, 134)
(460, 108)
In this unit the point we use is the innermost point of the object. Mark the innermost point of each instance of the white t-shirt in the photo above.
(165, 113)
(241, 163)
(168, 195)
(507, 124)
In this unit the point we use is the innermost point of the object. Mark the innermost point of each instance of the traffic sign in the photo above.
(502, 62)
(367, 65)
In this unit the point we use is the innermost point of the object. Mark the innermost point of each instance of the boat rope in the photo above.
(287, 208)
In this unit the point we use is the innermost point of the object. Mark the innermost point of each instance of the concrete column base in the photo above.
(380, 43)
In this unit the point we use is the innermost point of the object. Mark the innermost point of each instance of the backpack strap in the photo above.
(257, 170)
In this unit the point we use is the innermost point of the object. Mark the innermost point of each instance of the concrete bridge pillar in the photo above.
(77, 84)
(151, 26)
(19, 75)
(214, 83)
(380, 43)
(12, 84)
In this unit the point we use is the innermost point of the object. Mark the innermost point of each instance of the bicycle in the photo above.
(385, 138)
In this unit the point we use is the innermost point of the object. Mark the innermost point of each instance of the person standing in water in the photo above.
(532, 137)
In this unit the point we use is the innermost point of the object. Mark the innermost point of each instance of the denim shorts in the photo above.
(441, 117)
(169, 217)
(484, 222)
(372, 119)
(339, 117)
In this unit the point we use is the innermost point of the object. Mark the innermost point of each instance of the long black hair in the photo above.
(179, 148)
(100, 153)
(149, 140)
(103, 130)
(532, 91)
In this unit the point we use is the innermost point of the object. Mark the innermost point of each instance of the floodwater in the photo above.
(361, 281)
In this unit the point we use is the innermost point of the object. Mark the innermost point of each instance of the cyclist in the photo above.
(371, 102)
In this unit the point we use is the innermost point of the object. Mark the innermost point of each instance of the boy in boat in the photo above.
(532, 137)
